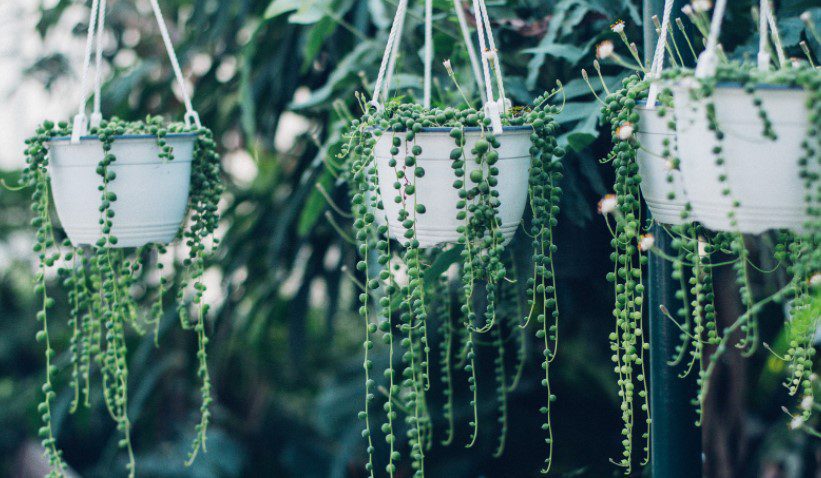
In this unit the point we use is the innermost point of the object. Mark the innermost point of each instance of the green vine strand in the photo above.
(400, 284)
(99, 278)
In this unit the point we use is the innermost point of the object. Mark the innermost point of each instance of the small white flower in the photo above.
(806, 17)
(604, 49)
(448, 67)
(625, 131)
(796, 422)
(646, 243)
(687, 10)
(670, 165)
(806, 402)
(608, 204)
(815, 280)
(796, 62)
(617, 27)
(702, 5)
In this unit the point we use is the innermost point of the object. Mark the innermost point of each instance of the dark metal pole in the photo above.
(675, 443)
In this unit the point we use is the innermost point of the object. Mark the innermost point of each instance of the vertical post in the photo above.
(675, 445)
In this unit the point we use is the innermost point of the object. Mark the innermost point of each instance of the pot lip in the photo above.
(62, 139)
(474, 129)
(737, 85)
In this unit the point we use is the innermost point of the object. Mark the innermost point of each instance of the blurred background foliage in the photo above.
(285, 348)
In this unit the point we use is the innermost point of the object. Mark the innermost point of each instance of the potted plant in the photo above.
(121, 191)
(644, 157)
(451, 184)
(745, 135)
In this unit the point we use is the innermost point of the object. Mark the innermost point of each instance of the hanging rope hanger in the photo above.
(708, 60)
(658, 58)
(494, 107)
(96, 29)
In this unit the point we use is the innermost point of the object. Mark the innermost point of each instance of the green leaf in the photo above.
(314, 206)
(442, 262)
(305, 12)
(584, 134)
(278, 7)
(568, 52)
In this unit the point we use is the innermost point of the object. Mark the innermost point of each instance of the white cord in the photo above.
(708, 60)
(428, 53)
(658, 58)
(779, 47)
(191, 115)
(80, 124)
(763, 36)
(494, 56)
(392, 62)
(380, 77)
(492, 108)
(474, 60)
(97, 115)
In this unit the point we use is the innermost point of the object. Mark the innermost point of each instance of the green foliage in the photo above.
(99, 278)
(481, 261)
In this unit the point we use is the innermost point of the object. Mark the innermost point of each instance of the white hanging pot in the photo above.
(762, 174)
(665, 198)
(152, 193)
(438, 225)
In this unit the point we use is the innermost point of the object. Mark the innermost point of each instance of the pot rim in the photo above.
(472, 129)
(125, 137)
(682, 83)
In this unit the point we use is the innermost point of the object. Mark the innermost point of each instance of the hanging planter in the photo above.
(122, 191)
(734, 145)
(747, 142)
(440, 224)
(761, 169)
(661, 182)
(743, 134)
(151, 191)
(436, 194)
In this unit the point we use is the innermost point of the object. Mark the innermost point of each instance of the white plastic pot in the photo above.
(762, 175)
(655, 171)
(438, 225)
(152, 193)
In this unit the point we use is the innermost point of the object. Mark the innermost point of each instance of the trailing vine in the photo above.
(99, 277)
(410, 282)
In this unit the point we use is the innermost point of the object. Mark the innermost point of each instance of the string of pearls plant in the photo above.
(99, 279)
(695, 246)
(798, 251)
(406, 289)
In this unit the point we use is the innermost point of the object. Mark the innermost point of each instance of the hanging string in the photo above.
(191, 116)
(658, 58)
(493, 53)
(394, 54)
(80, 124)
(779, 47)
(708, 60)
(395, 27)
(96, 115)
(428, 52)
(474, 60)
(492, 108)
(763, 36)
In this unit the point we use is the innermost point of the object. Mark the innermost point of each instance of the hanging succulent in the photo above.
(736, 186)
(658, 155)
(743, 187)
(410, 282)
(99, 274)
